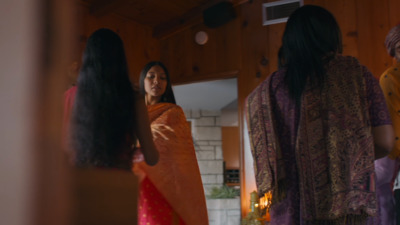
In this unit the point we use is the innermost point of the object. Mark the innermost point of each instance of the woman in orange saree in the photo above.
(171, 192)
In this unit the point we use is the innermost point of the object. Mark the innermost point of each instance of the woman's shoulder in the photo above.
(173, 106)
(341, 64)
(161, 106)
(176, 109)
(277, 79)
(344, 60)
(272, 81)
(167, 113)
(170, 106)
(393, 70)
(165, 108)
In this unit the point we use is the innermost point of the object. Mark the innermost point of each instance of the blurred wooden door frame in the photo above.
(52, 196)
(35, 47)
(64, 195)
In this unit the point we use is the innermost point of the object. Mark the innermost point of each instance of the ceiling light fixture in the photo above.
(201, 37)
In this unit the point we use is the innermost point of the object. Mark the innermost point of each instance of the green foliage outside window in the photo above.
(224, 192)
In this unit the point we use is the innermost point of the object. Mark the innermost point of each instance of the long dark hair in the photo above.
(102, 117)
(311, 38)
(168, 95)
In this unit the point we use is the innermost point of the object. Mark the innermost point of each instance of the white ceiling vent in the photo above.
(279, 11)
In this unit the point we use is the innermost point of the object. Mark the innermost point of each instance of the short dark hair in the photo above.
(311, 38)
(168, 95)
(102, 116)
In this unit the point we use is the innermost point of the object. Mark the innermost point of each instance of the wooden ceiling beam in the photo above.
(104, 7)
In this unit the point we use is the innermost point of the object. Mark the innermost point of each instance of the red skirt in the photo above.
(154, 208)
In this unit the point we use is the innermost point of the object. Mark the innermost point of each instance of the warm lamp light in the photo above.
(265, 204)
(253, 217)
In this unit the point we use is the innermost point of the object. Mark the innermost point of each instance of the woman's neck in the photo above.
(151, 100)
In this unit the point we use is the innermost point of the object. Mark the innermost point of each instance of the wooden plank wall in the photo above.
(140, 46)
(231, 145)
(188, 61)
(246, 49)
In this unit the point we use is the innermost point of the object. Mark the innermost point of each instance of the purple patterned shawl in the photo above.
(334, 147)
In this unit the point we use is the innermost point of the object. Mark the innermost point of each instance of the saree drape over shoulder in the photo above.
(317, 157)
(175, 180)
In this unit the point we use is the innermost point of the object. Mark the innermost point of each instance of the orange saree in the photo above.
(171, 191)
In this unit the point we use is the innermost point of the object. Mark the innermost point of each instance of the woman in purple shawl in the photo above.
(316, 126)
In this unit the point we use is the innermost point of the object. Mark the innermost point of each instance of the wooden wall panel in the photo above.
(275, 33)
(344, 12)
(394, 15)
(345, 16)
(372, 26)
(228, 48)
(176, 54)
(204, 57)
(255, 42)
(140, 46)
(189, 61)
(230, 146)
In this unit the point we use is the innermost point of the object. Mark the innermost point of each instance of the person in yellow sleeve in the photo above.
(389, 166)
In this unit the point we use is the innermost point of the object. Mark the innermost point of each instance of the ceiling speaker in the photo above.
(219, 14)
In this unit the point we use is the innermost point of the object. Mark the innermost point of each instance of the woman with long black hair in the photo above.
(316, 126)
(108, 116)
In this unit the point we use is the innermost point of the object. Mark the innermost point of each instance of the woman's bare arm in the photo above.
(383, 140)
(143, 131)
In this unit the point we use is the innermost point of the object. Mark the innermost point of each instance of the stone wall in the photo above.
(206, 132)
(207, 139)
(224, 211)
